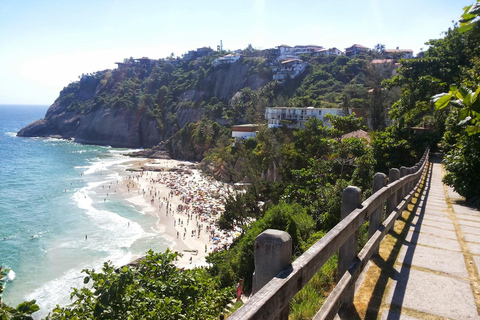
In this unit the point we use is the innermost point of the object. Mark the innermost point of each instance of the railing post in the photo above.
(379, 181)
(393, 175)
(418, 165)
(414, 181)
(272, 254)
(401, 193)
(351, 200)
(409, 185)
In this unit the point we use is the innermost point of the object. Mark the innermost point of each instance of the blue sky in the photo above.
(46, 44)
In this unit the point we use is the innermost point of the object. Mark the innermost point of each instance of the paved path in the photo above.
(428, 266)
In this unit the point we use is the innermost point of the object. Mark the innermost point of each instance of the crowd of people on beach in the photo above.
(194, 200)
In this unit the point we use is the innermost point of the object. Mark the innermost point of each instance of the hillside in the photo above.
(145, 101)
(139, 105)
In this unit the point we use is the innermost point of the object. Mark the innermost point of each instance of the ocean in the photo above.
(60, 212)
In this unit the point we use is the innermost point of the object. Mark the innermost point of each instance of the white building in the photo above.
(399, 53)
(244, 131)
(328, 52)
(285, 52)
(289, 68)
(229, 58)
(297, 117)
(308, 49)
(355, 49)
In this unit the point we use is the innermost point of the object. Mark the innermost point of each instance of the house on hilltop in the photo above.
(328, 52)
(308, 49)
(386, 65)
(285, 52)
(143, 62)
(199, 53)
(355, 49)
(244, 131)
(399, 53)
(289, 68)
(297, 117)
(204, 51)
(229, 58)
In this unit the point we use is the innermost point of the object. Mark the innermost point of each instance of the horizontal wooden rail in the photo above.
(276, 295)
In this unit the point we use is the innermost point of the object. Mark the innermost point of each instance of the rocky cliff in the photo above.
(138, 105)
(104, 126)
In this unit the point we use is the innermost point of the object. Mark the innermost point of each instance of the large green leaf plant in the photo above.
(468, 104)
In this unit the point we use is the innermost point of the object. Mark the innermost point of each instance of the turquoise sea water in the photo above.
(52, 194)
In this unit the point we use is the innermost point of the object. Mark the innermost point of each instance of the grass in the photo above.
(308, 301)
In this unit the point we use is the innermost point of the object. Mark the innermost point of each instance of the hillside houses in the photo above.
(289, 68)
(286, 61)
(244, 131)
(309, 49)
(399, 53)
(328, 52)
(199, 53)
(229, 58)
(297, 117)
(285, 52)
(355, 49)
(386, 65)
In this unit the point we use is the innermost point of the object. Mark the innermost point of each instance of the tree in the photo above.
(469, 22)
(153, 289)
(461, 141)
(468, 103)
(445, 62)
(379, 50)
(345, 124)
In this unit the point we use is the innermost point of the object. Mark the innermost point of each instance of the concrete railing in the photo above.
(273, 248)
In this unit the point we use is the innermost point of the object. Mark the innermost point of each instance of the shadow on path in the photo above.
(387, 266)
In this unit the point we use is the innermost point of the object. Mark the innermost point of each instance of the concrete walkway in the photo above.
(428, 267)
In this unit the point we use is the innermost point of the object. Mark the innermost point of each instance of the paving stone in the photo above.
(393, 315)
(436, 259)
(442, 205)
(433, 294)
(474, 247)
(469, 237)
(439, 213)
(438, 224)
(469, 223)
(444, 219)
(434, 207)
(432, 230)
(433, 241)
(465, 210)
(471, 230)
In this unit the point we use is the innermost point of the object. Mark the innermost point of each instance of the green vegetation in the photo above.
(296, 177)
(152, 289)
(461, 141)
(22, 312)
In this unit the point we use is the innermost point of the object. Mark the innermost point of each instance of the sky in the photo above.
(46, 44)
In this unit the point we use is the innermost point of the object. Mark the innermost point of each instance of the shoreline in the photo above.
(187, 205)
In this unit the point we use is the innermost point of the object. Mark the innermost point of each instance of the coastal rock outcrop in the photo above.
(105, 126)
(139, 105)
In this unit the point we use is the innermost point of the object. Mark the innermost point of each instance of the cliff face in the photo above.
(113, 127)
(139, 106)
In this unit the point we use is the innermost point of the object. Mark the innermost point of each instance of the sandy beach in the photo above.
(187, 204)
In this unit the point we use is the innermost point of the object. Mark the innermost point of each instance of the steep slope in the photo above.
(139, 105)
